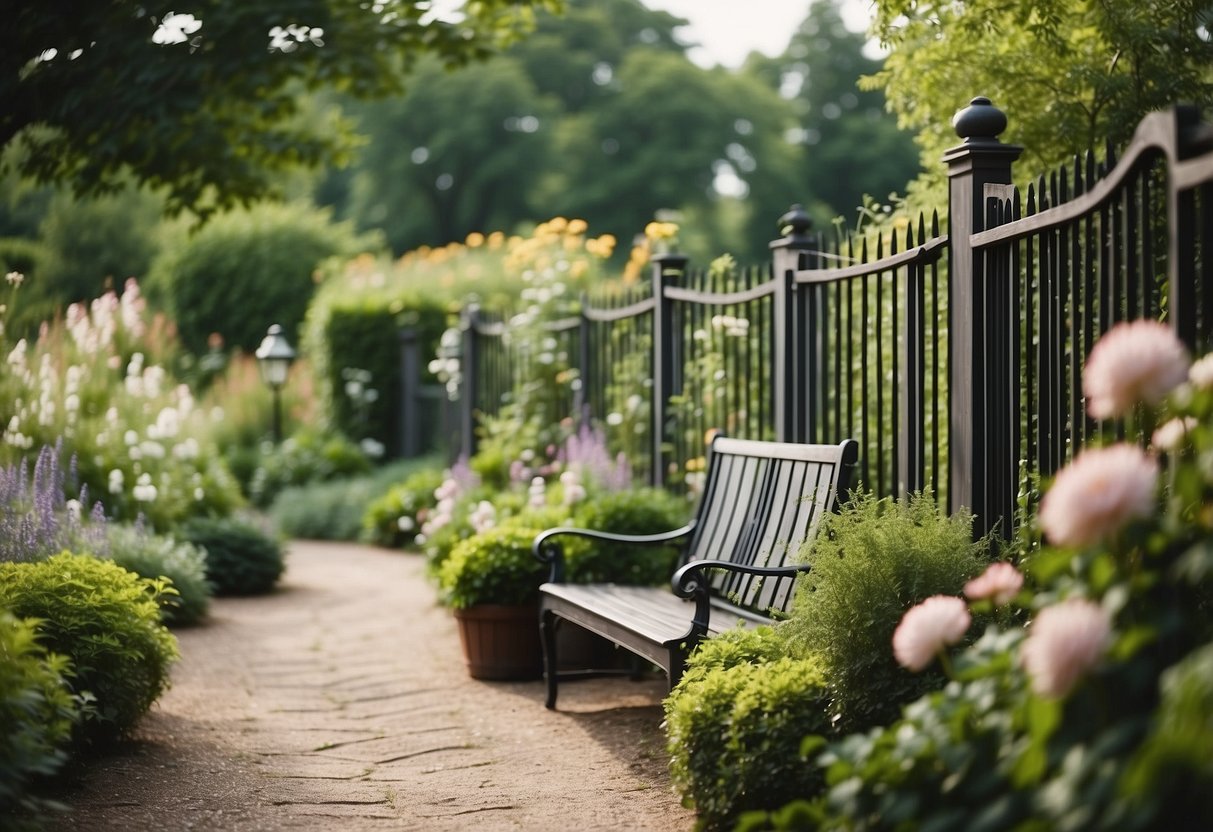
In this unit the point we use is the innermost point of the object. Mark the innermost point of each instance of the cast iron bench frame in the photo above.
(738, 562)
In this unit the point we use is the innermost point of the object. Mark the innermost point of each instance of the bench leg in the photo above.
(547, 632)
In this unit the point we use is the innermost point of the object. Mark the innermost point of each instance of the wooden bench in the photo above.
(738, 561)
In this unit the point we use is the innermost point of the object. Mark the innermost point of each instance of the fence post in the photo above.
(469, 368)
(666, 367)
(410, 393)
(789, 381)
(581, 397)
(981, 161)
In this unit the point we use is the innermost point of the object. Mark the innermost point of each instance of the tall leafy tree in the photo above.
(203, 103)
(1068, 73)
(853, 147)
(458, 153)
(665, 137)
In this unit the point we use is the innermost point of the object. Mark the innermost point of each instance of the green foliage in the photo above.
(204, 279)
(1067, 73)
(306, 456)
(740, 645)
(240, 558)
(140, 91)
(183, 565)
(852, 146)
(1034, 733)
(37, 712)
(106, 621)
(872, 561)
(336, 510)
(486, 124)
(392, 519)
(736, 723)
(1173, 769)
(637, 511)
(354, 328)
(493, 567)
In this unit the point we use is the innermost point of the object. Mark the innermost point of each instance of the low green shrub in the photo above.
(736, 726)
(106, 621)
(37, 712)
(334, 510)
(636, 511)
(493, 567)
(241, 559)
(392, 519)
(305, 457)
(872, 561)
(158, 556)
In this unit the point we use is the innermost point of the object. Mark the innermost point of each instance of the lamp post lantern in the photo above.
(274, 357)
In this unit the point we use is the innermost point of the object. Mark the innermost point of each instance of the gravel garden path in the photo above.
(341, 702)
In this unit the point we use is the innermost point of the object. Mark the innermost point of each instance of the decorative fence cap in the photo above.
(980, 122)
(795, 223)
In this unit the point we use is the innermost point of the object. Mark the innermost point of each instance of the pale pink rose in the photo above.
(1171, 434)
(1000, 583)
(1137, 362)
(927, 628)
(1098, 493)
(1201, 373)
(1063, 643)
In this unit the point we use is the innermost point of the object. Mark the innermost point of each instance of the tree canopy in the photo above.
(1068, 73)
(205, 103)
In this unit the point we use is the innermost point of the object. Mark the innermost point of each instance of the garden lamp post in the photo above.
(274, 357)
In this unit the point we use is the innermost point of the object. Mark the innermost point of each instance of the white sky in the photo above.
(728, 30)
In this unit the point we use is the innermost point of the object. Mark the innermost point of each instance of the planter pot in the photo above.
(501, 642)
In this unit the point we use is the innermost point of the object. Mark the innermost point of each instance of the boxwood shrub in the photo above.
(159, 556)
(241, 559)
(736, 725)
(37, 711)
(493, 567)
(106, 621)
(637, 511)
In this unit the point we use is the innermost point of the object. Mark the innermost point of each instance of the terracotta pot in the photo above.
(501, 642)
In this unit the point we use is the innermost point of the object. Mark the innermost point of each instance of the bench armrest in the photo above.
(548, 551)
(689, 581)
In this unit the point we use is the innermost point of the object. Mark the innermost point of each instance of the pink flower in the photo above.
(1171, 435)
(1141, 361)
(1201, 373)
(1096, 494)
(1000, 583)
(927, 628)
(1063, 643)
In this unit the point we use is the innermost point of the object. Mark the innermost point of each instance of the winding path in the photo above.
(340, 702)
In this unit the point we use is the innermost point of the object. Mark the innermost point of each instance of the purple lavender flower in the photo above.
(35, 521)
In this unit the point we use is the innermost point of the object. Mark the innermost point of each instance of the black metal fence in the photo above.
(955, 359)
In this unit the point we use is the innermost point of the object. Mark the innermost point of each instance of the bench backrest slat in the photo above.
(762, 501)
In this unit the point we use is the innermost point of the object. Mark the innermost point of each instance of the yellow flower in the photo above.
(661, 230)
(556, 225)
(577, 226)
(475, 240)
(496, 240)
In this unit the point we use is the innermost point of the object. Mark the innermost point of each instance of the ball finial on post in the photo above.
(979, 123)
